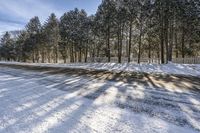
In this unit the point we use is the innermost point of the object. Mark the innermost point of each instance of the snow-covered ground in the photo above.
(36, 102)
(171, 68)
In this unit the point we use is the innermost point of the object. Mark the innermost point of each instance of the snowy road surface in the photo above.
(37, 101)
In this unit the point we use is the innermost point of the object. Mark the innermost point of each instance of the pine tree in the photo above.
(131, 13)
(52, 37)
(7, 47)
(143, 8)
(120, 21)
(106, 13)
(33, 29)
(21, 39)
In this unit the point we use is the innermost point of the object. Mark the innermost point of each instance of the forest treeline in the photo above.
(162, 29)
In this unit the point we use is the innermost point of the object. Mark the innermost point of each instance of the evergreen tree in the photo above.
(120, 21)
(7, 47)
(33, 29)
(20, 46)
(131, 16)
(106, 14)
(52, 37)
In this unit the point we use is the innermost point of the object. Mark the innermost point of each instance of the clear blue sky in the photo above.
(14, 14)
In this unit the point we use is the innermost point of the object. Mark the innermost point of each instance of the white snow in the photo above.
(33, 102)
(171, 68)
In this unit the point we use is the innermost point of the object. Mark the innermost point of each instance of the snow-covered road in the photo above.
(34, 101)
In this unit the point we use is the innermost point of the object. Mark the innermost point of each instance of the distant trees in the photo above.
(162, 29)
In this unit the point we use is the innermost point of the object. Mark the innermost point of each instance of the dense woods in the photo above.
(126, 29)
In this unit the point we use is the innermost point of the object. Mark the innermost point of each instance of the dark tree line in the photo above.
(162, 29)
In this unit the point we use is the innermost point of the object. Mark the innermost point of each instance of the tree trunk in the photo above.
(56, 54)
(49, 58)
(140, 42)
(86, 52)
(65, 60)
(166, 39)
(149, 51)
(98, 52)
(162, 41)
(176, 43)
(42, 54)
(80, 55)
(108, 43)
(183, 43)
(171, 43)
(118, 43)
(75, 56)
(71, 54)
(33, 56)
(37, 56)
(130, 43)
(158, 55)
(121, 42)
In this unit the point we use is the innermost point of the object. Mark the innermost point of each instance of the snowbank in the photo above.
(171, 68)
